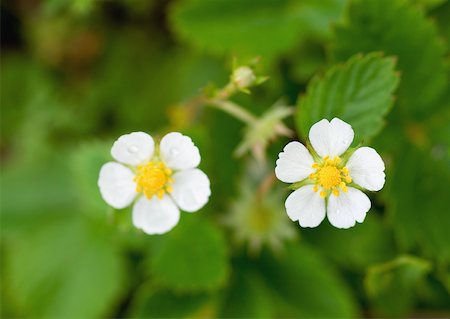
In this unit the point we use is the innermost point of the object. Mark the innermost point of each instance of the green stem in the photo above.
(226, 92)
(234, 110)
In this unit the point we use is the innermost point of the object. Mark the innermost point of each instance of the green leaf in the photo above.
(86, 162)
(418, 201)
(398, 29)
(304, 285)
(250, 27)
(32, 189)
(391, 286)
(63, 268)
(355, 248)
(358, 92)
(248, 295)
(152, 303)
(192, 257)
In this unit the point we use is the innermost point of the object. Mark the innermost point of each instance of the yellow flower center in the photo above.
(330, 176)
(153, 178)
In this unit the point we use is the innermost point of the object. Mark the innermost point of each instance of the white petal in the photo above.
(179, 152)
(294, 163)
(306, 206)
(134, 148)
(367, 168)
(155, 216)
(116, 185)
(331, 138)
(191, 189)
(345, 210)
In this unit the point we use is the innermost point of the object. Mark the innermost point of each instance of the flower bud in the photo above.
(243, 77)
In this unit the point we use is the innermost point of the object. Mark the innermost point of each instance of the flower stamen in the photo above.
(330, 175)
(153, 178)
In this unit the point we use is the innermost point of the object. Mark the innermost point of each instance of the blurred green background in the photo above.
(77, 74)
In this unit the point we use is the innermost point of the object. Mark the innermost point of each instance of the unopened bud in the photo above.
(243, 77)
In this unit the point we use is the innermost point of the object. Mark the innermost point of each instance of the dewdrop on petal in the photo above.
(158, 180)
(330, 181)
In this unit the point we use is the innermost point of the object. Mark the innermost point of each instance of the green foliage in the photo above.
(87, 160)
(193, 257)
(390, 286)
(251, 27)
(51, 266)
(248, 296)
(78, 74)
(19, 81)
(307, 60)
(359, 92)
(428, 4)
(402, 31)
(419, 206)
(154, 303)
(299, 279)
(350, 248)
(131, 75)
(45, 191)
(440, 16)
(28, 89)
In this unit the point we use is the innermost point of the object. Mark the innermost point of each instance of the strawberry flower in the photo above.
(329, 180)
(158, 180)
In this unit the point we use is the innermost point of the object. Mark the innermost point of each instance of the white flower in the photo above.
(160, 179)
(329, 180)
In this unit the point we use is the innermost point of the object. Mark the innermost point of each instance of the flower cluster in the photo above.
(330, 177)
(159, 179)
